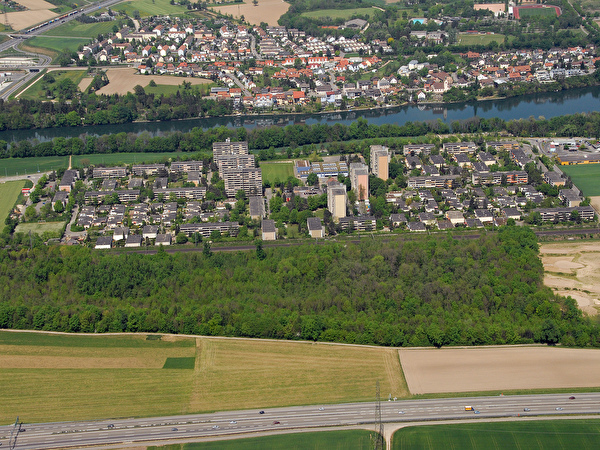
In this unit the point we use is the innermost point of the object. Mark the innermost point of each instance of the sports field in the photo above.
(9, 192)
(67, 377)
(75, 28)
(41, 228)
(276, 171)
(531, 11)
(585, 176)
(539, 434)
(19, 166)
(339, 13)
(479, 39)
(330, 440)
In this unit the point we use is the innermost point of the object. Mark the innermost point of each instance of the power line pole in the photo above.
(379, 444)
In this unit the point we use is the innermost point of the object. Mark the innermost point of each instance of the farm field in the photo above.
(479, 39)
(39, 11)
(123, 80)
(585, 177)
(151, 8)
(268, 11)
(538, 434)
(78, 29)
(58, 377)
(16, 166)
(35, 91)
(499, 369)
(57, 44)
(574, 269)
(41, 228)
(339, 13)
(9, 192)
(276, 171)
(330, 440)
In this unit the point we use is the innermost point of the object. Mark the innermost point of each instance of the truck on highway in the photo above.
(468, 408)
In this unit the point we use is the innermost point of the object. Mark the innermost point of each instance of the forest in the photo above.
(264, 141)
(426, 291)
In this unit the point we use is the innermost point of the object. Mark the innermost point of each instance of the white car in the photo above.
(215, 427)
(321, 409)
(559, 409)
(400, 412)
(233, 422)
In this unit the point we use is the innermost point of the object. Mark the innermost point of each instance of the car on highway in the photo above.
(559, 408)
(261, 412)
(110, 425)
(276, 422)
(526, 409)
(174, 429)
(477, 411)
(321, 409)
(233, 422)
(400, 412)
(572, 397)
(215, 427)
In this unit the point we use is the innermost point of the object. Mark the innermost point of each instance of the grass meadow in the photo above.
(543, 434)
(151, 8)
(35, 91)
(122, 158)
(585, 177)
(339, 13)
(78, 29)
(57, 44)
(479, 39)
(19, 166)
(276, 171)
(9, 192)
(71, 377)
(330, 440)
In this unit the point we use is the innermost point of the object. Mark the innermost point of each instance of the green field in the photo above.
(180, 363)
(69, 377)
(528, 13)
(151, 8)
(542, 434)
(339, 13)
(122, 158)
(78, 29)
(585, 176)
(57, 44)
(20, 166)
(41, 228)
(479, 39)
(325, 440)
(9, 192)
(35, 91)
(276, 171)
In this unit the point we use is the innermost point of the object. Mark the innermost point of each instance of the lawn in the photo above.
(339, 13)
(151, 8)
(479, 39)
(585, 177)
(57, 44)
(120, 159)
(9, 192)
(75, 28)
(41, 228)
(334, 440)
(16, 166)
(35, 91)
(543, 434)
(276, 171)
(58, 378)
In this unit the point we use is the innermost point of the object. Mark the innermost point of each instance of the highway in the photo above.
(290, 419)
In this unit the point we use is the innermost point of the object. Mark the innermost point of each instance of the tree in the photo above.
(260, 251)
(255, 2)
(59, 207)
(181, 238)
(206, 251)
(312, 179)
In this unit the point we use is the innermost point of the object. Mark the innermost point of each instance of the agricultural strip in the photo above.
(123, 80)
(542, 434)
(338, 13)
(447, 370)
(9, 192)
(330, 440)
(74, 377)
(268, 11)
(151, 8)
(585, 177)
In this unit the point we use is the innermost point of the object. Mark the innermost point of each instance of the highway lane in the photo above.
(232, 423)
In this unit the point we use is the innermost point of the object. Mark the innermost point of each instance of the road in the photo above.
(291, 419)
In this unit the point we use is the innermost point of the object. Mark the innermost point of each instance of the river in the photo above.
(549, 104)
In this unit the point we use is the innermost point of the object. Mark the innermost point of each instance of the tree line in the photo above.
(430, 291)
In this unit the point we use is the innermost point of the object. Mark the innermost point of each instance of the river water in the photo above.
(549, 104)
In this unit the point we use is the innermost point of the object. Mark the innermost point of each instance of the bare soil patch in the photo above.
(574, 269)
(429, 371)
(35, 5)
(24, 19)
(268, 11)
(123, 79)
(85, 83)
(595, 203)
